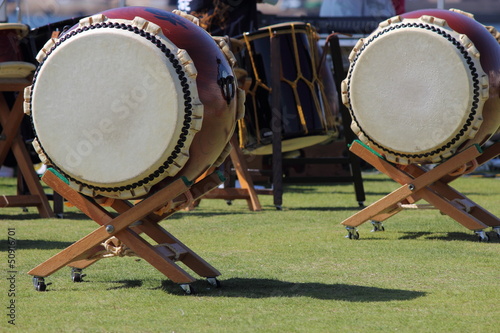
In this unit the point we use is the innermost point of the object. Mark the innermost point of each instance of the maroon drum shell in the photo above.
(9, 45)
(489, 50)
(219, 115)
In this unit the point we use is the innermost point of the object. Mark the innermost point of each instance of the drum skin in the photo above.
(403, 144)
(489, 49)
(216, 90)
(219, 119)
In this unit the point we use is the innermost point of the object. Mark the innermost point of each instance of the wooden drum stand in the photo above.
(11, 119)
(126, 227)
(432, 186)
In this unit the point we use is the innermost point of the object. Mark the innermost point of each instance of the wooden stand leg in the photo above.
(11, 121)
(276, 122)
(431, 186)
(354, 161)
(131, 221)
(247, 190)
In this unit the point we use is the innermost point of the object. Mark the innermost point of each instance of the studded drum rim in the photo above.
(193, 108)
(478, 77)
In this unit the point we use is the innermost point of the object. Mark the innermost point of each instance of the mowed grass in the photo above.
(282, 271)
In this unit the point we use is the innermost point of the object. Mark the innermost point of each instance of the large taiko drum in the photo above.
(424, 85)
(131, 99)
(308, 95)
(12, 62)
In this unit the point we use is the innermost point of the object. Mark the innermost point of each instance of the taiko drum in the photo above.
(424, 85)
(132, 98)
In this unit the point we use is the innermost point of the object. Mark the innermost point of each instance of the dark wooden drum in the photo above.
(130, 99)
(424, 85)
(37, 37)
(308, 102)
(12, 61)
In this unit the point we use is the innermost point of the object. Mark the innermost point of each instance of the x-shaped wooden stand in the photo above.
(11, 140)
(430, 185)
(127, 226)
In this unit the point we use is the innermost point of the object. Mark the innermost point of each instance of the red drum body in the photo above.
(12, 62)
(308, 97)
(424, 85)
(131, 99)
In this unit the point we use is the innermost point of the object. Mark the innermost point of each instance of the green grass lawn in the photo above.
(282, 271)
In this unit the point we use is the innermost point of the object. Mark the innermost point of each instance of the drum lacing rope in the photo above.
(165, 209)
(474, 75)
(171, 206)
(121, 250)
(111, 250)
(415, 206)
(185, 88)
(465, 169)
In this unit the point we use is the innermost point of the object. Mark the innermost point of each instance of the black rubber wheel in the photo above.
(214, 282)
(188, 289)
(76, 275)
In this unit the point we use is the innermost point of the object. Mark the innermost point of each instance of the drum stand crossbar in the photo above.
(126, 227)
(429, 185)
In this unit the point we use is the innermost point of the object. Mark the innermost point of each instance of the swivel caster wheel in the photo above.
(496, 230)
(188, 289)
(213, 282)
(76, 275)
(482, 236)
(352, 233)
(39, 283)
(377, 226)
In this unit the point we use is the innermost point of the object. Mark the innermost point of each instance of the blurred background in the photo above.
(36, 13)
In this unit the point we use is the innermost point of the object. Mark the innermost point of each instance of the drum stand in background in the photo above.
(11, 140)
(126, 227)
(430, 185)
(247, 190)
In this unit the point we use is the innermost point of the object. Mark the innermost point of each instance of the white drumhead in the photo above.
(413, 92)
(109, 110)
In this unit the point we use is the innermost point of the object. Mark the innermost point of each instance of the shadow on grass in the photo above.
(265, 288)
(333, 208)
(74, 216)
(39, 244)
(20, 215)
(200, 213)
(448, 236)
(126, 284)
(33, 215)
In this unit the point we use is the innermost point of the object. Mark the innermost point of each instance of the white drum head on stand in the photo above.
(109, 106)
(415, 90)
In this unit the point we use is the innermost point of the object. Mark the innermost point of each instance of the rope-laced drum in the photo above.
(424, 85)
(132, 98)
(308, 95)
